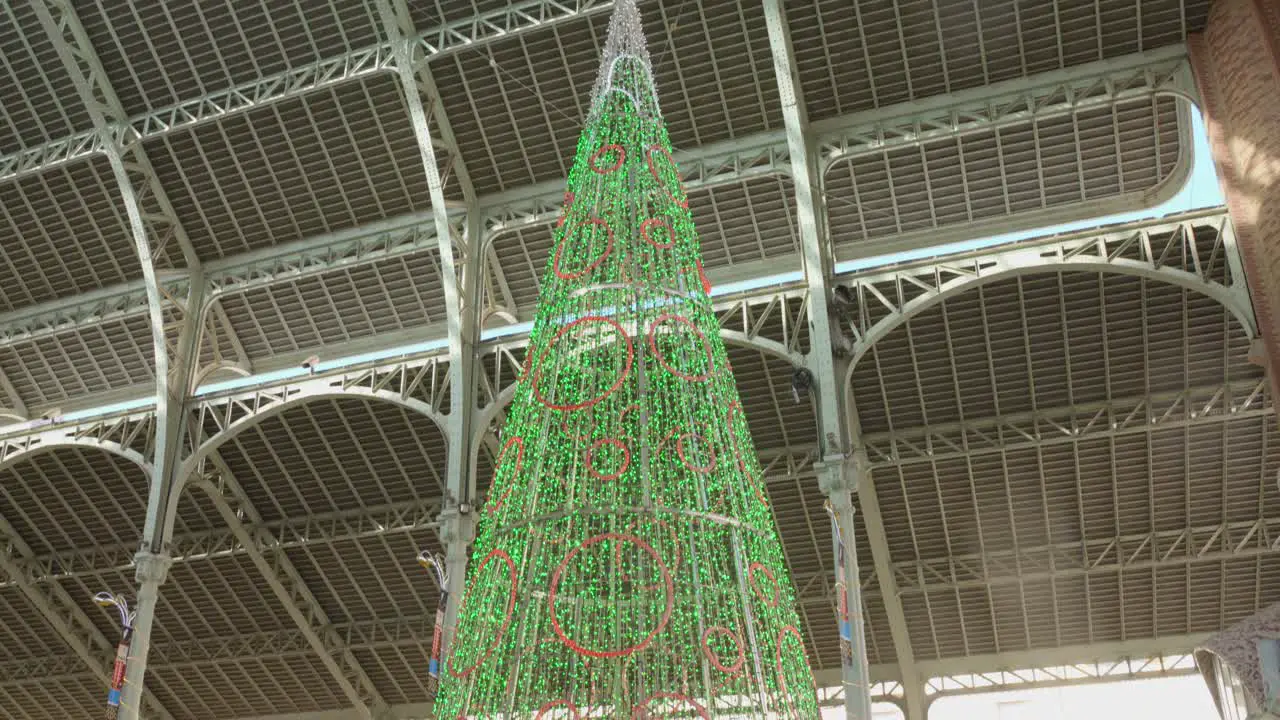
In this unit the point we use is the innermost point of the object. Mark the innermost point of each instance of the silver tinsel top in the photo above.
(626, 39)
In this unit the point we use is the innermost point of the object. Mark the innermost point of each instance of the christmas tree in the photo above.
(627, 564)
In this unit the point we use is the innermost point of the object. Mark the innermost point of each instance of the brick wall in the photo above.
(1237, 67)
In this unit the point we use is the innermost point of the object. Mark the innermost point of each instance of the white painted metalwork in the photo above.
(323, 74)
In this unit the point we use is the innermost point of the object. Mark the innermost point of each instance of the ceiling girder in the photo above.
(322, 529)
(290, 589)
(294, 82)
(729, 162)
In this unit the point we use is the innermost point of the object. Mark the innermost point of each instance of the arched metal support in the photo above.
(27, 446)
(234, 414)
(54, 604)
(1195, 251)
(286, 583)
(404, 384)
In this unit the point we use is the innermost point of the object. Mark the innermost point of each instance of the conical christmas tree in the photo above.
(627, 564)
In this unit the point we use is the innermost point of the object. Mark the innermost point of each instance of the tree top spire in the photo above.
(625, 41)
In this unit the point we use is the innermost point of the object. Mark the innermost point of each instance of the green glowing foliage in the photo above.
(627, 564)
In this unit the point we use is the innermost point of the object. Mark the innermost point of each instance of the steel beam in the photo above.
(910, 673)
(280, 575)
(16, 409)
(1103, 83)
(836, 471)
(768, 153)
(1103, 652)
(885, 298)
(1154, 249)
(154, 225)
(1190, 407)
(450, 37)
(319, 529)
(1096, 556)
(461, 291)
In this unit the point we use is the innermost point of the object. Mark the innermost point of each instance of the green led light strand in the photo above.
(627, 564)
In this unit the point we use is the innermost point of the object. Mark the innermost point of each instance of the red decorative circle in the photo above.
(506, 621)
(648, 225)
(568, 205)
(555, 265)
(616, 384)
(622, 416)
(702, 275)
(619, 152)
(736, 407)
(782, 675)
(675, 543)
(563, 702)
(714, 658)
(755, 587)
(662, 360)
(502, 455)
(700, 469)
(657, 174)
(591, 452)
(641, 711)
(555, 588)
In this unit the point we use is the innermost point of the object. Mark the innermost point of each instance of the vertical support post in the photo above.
(834, 469)
(838, 479)
(462, 296)
(152, 561)
(151, 569)
(458, 529)
(153, 225)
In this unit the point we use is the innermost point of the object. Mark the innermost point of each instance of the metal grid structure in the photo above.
(1061, 450)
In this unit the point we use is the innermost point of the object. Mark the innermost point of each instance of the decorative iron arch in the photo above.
(1032, 261)
(277, 402)
(29, 447)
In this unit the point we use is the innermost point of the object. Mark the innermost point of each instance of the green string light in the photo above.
(627, 564)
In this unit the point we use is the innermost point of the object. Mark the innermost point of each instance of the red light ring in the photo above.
(626, 369)
(506, 621)
(782, 675)
(755, 586)
(700, 469)
(502, 455)
(555, 588)
(622, 416)
(662, 360)
(618, 150)
(563, 702)
(590, 459)
(641, 711)
(649, 224)
(714, 658)
(555, 265)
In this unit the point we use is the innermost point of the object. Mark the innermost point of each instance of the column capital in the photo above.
(457, 525)
(151, 567)
(839, 475)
